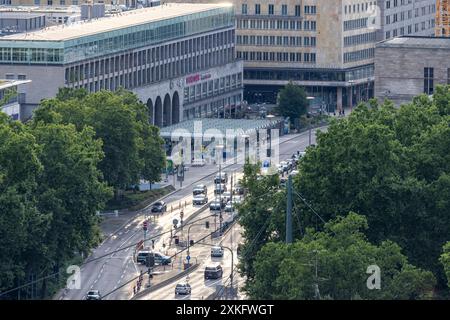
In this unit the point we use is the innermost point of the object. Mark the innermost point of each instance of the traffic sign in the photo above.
(188, 258)
(175, 222)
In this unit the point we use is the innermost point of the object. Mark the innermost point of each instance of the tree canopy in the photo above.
(390, 165)
(132, 147)
(292, 101)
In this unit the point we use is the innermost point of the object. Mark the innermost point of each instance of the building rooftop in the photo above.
(416, 42)
(116, 22)
(19, 15)
(4, 84)
(210, 126)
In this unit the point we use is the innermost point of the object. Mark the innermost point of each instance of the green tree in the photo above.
(333, 264)
(292, 101)
(391, 165)
(445, 260)
(132, 147)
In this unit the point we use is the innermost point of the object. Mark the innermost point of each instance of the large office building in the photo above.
(178, 58)
(327, 46)
(408, 66)
(12, 95)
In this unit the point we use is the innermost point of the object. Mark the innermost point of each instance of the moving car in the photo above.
(217, 251)
(213, 272)
(227, 196)
(160, 259)
(220, 188)
(200, 199)
(93, 295)
(200, 189)
(216, 205)
(229, 207)
(159, 206)
(183, 288)
(238, 189)
(221, 178)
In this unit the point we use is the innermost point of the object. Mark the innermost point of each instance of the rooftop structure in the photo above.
(130, 30)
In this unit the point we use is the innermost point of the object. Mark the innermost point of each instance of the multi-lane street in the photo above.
(112, 265)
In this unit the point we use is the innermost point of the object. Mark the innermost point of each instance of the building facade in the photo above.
(16, 22)
(408, 66)
(442, 18)
(327, 46)
(178, 58)
(12, 96)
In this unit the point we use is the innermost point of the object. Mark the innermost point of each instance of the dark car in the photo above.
(213, 272)
(221, 178)
(159, 206)
(200, 189)
(238, 189)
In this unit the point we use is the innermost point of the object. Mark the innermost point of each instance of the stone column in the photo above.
(339, 100)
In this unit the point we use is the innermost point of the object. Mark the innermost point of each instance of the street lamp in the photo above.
(220, 147)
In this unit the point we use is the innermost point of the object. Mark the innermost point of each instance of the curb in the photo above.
(164, 283)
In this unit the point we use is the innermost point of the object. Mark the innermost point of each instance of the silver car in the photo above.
(183, 288)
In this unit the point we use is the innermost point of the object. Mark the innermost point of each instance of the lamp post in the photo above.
(220, 147)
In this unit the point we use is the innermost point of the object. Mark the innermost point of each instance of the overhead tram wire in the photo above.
(89, 261)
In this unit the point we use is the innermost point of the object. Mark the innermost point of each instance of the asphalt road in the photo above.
(113, 269)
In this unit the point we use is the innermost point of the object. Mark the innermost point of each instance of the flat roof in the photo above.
(5, 83)
(116, 22)
(19, 15)
(210, 126)
(416, 42)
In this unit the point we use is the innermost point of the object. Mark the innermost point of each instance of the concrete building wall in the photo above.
(399, 71)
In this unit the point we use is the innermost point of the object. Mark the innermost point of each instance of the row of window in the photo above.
(307, 57)
(307, 25)
(396, 17)
(359, 7)
(281, 10)
(211, 88)
(213, 109)
(276, 41)
(355, 24)
(359, 55)
(360, 39)
(154, 65)
(402, 31)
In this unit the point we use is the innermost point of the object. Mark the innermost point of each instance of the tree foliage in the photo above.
(292, 101)
(332, 264)
(445, 260)
(132, 147)
(50, 190)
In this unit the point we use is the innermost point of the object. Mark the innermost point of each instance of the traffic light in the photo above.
(191, 242)
(177, 241)
(150, 260)
(207, 224)
(145, 225)
(153, 243)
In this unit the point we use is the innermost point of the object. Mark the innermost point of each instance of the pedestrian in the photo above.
(134, 290)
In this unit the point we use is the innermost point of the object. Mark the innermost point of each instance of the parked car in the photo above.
(198, 162)
(200, 189)
(217, 251)
(160, 259)
(159, 206)
(220, 188)
(200, 199)
(237, 199)
(213, 272)
(93, 295)
(183, 288)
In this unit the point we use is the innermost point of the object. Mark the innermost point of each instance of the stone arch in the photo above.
(167, 119)
(175, 108)
(151, 114)
(158, 112)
